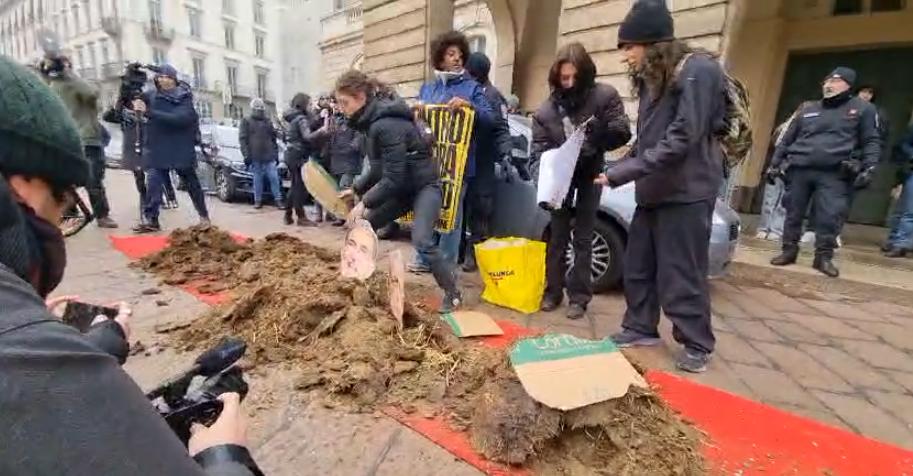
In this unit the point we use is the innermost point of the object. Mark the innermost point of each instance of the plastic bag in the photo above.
(556, 169)
(513, 271)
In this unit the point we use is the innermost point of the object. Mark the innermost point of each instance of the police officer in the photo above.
(816, 154)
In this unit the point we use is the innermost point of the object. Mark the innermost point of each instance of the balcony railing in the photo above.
(199, 83)
(353, 14)
(111, 26)
(156, 31)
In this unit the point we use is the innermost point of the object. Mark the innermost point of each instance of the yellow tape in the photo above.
(452, 130)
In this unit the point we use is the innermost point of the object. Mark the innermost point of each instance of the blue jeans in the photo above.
(902, 222)
(449, 243)
(268, 171)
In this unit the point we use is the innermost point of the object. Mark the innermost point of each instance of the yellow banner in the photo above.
(452, 131)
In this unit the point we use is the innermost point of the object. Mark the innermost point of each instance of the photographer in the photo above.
(171, 131)
(67, 406)
(81, 99)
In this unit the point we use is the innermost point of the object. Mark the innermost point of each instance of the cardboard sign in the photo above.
(396, 286)
(324, 189)
(472, 323)
(359, 252)
(565, 372)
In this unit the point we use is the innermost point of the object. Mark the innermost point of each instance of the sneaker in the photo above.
(418, 268)
(693, 361)
(630, 338)
(576, 311)
(886, 246)
(147, 227)
(280, 205)
(549, 304)
(896, 253)
(303, 221)
(452, 302)
(205, 223)
(106, 222)
(786, 258)
(258, 206)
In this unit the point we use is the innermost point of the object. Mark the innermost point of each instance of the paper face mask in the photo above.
(359, 253)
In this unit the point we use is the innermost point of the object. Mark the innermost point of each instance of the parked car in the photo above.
(517, 214)
(114, 151)
(221, 168)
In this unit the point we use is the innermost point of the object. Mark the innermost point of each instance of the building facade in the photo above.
(227, 50)
(300, 53)
(781, 49)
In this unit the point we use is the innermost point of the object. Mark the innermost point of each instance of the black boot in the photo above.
(787, 257)
(288, 217)
(826, 266)
(469, 262)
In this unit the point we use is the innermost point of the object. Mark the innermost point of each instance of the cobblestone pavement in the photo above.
(845, 361)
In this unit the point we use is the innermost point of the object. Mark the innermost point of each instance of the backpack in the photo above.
(735, 137)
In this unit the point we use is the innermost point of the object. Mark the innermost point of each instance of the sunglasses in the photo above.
(77, 216)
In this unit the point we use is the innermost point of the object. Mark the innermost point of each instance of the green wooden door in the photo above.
(890, 70)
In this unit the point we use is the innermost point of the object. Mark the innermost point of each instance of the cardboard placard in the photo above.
(396, 286)
(359, 252)
(322, 186)
(471, 324)
(565, 372)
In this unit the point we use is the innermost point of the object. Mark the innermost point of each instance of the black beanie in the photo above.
(479, 66)
(844, 73)
(37, 134)
(649, 21)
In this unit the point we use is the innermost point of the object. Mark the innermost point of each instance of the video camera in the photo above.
(133, 80)
(192, 396)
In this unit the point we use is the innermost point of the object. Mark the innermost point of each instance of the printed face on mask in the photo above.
(567, 74)
(834, 86)
(359, 253)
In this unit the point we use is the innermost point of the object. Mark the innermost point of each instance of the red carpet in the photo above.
(745, 437)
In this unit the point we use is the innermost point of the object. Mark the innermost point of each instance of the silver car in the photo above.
(518, 214)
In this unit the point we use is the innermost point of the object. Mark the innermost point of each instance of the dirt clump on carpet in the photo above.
(291, 305)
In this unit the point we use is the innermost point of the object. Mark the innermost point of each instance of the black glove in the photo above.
(864, 179)
(772, 174)
(522, 170)
(851, 168)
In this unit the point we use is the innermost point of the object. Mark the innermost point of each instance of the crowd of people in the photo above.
(58, 382)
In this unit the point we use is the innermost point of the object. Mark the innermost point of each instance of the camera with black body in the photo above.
(193, 396)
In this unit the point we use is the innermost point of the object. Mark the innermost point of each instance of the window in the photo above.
(155, 13)
(204, 109)
(80, 57)
(888, 5)
(105, 53)
(159, 56)
(847, 7)
(193, 15)
(230, 36)
(262, 81)
(101, 8)
(93, 58)
(199, 72)
(228, 7)
(87, 9)
(259, 45)
(258, 12)
(338, 4)
(231, 76)
(76, 27)
(477, 43)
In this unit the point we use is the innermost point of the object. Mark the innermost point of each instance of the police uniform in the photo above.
(816, 152)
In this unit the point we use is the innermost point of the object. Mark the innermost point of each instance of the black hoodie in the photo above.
(400, 163)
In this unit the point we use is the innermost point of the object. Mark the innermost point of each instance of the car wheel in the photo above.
(608, 252)
(225, 185)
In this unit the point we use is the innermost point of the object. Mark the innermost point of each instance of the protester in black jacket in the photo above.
(401, 175)
(299, 138)
(346, 147)
(66, 405)
(818, 153)
(677, 164)
(575, 99)
(493, 145)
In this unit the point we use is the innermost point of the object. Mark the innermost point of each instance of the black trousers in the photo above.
(426, 205)
(96, 185)
(666, 269)
(139, 179)
(580, 220)
(155, 184)
(831, 192)
(479, 209)
(298, 194)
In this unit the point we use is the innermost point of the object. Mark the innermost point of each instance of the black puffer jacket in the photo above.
(610, 129)
(399, 159)
(300, 136)
(346, 148)
(67, 406)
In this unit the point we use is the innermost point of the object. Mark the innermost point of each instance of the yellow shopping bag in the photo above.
(513, 270)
